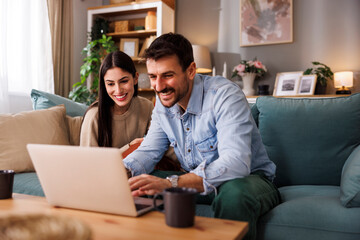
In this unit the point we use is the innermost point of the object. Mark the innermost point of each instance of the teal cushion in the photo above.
(310, 212)
(350, 180)
(44, 100)
(27, 183)
(309, 140)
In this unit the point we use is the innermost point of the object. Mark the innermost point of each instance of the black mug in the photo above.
(179, 206)
(6, 183)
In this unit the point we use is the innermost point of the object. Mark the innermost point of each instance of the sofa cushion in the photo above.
(310, 212)
(42, 126)
(350, 180)
(74, 127)
(309, 140)
(44, 100)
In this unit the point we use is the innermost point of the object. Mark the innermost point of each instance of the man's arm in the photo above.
(150, 185)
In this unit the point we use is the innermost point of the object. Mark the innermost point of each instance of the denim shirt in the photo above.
(216, 137)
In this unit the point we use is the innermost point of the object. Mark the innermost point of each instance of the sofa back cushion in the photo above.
(46, 126)
(310, 139)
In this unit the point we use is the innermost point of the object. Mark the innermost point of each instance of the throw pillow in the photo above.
(46, 126)
(44, 100)
(74, 127)
(350, 180)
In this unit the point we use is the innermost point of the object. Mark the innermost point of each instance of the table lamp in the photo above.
(342, 81)
(202, 59)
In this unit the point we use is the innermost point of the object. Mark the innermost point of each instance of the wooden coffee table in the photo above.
(107, 226)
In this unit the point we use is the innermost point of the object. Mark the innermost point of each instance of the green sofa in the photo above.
(315, 145)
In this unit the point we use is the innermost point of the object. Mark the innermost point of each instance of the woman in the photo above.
(119, 116)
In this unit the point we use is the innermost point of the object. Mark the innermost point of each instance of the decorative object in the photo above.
(224, 74)
(144, 81)
(119, 1)
(214, 71)
(121, 26)
(150, 21)
(265, 22)
(307, 85)
(202, 59)
(343, 80)
(146, 44)
(101, 26)
(323, 74)
(287, 83)
(263, 90)
(130, 46)
(94, 52)
(248, 71)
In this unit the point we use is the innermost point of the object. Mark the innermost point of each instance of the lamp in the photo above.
(343, 80)
(202, 59)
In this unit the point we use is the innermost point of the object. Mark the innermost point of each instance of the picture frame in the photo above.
(265, 22)
(307, 84)
(130, 46)
(287, 83)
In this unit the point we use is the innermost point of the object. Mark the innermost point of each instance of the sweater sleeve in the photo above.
(89, 129)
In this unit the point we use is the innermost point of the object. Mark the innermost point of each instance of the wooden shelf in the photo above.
(135, 34)
(146, 90)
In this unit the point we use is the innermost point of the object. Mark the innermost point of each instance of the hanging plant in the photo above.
(94, 52)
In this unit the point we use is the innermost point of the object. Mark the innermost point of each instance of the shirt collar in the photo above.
(197, 95)
(196, 98)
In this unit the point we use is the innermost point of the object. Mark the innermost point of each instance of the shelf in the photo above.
(146, 90)
(136, 34)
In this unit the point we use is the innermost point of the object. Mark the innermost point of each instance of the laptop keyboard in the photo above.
(140, 206)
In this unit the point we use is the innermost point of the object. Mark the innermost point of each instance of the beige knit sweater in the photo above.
(126, 127)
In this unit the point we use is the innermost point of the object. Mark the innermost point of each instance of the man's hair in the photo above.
(171, 44)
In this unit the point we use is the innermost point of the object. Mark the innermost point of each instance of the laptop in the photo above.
(86, 178)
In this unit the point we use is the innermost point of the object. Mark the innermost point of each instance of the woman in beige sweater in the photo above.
(120, 117)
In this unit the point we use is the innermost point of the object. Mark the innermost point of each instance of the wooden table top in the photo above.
(107, 226)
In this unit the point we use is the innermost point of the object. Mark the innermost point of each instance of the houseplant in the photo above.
(248, 70)
(323, 74)
(94, 52)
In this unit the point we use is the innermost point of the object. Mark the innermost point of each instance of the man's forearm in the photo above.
(191, 180)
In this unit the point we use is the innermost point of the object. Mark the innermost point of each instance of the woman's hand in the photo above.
(136, 141)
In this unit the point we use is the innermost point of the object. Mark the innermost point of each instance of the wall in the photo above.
(80, 32)
(324, 30)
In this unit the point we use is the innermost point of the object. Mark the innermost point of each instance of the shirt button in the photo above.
(189, 150)
(211, 147)
(187, 129)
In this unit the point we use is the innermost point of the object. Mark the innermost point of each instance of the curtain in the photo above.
(61, 26)
(25, 49)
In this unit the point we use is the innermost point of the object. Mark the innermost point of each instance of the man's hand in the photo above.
(145, 184)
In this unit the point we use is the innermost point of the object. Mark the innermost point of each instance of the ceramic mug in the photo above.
(6, 183)
(179, 206)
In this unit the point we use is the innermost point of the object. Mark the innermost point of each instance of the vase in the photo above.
(248, 84)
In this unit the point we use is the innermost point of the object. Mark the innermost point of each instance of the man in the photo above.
(208, 122)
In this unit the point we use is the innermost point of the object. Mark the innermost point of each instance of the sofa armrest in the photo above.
(350, 180)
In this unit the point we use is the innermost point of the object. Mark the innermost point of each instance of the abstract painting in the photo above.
(266, 22)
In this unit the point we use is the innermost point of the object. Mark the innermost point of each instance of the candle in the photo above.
(214, 71)
(224, 71)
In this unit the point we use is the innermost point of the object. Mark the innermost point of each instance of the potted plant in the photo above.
(94, 52)
(323, 74)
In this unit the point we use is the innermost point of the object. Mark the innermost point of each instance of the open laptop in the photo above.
(87, 178)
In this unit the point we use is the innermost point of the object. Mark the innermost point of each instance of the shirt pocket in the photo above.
(208, 149)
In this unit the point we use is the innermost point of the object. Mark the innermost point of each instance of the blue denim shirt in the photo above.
(216, 137)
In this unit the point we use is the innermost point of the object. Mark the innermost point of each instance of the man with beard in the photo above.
(208, 122)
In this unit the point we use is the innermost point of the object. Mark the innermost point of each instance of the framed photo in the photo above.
(130, 46)
(287, 83)
(265, 22)
(307, 85)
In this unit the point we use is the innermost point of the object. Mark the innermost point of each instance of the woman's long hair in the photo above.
(105, 103)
